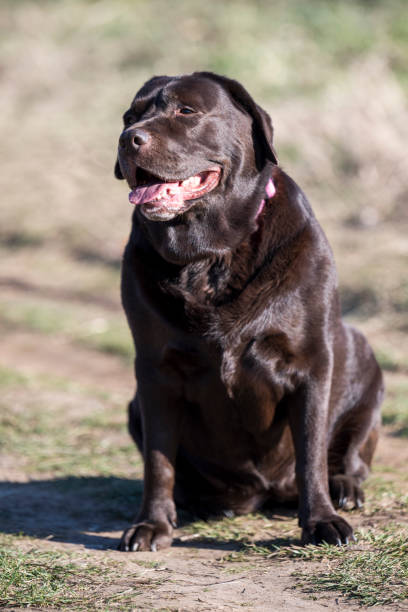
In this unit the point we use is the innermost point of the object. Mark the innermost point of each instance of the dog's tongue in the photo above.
(171, 193)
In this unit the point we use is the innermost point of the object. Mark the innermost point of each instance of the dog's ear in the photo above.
(262, 124)
(118, 171)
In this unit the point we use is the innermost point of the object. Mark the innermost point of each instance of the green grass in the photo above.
(395, 410)
(43, 425)
(390, 361)
(387, 361)
(380, 487)
(12, 378)
(49, 441)
(37, 578)
(373, 572)
(243, 529)
(108, 333)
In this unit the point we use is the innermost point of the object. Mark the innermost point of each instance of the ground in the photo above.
(333, 77)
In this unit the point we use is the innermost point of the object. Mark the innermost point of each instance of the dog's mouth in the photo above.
(170, 195)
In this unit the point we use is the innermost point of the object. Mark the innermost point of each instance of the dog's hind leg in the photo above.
(354, 441)
(135, 423)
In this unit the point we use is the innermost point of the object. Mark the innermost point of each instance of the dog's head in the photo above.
(197, 153)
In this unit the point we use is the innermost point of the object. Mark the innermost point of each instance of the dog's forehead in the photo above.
(191, 89)
(197, 90)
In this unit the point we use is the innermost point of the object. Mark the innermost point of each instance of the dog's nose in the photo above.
(140, 137)
(133, 138)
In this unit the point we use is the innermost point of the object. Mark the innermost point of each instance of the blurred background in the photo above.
(332, 74)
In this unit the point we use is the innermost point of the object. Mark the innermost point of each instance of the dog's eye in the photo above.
(128, 120)
(184, 110)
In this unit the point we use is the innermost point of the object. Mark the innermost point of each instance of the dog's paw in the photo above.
(345, 492)
(146, 535)
(332, 530)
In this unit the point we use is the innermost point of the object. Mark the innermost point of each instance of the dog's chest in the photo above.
(231, 385)
(237, 355)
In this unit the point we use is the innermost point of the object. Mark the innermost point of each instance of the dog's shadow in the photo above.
(77, 510)
(87, 511)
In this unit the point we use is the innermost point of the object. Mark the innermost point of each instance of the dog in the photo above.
(251, 389)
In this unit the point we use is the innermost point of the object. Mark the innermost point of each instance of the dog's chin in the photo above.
(163, 212)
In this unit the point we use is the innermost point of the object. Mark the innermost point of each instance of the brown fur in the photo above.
(250, 387)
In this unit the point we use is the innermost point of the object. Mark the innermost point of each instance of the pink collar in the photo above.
(270, 190)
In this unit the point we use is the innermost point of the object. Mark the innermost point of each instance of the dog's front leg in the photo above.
(309, 416)
(161, 424)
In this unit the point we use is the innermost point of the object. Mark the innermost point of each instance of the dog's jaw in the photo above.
(161, 200)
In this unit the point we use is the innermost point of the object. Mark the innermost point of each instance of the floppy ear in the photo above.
(262, 124)
(118, 171)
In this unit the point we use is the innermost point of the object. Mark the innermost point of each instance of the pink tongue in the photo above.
(169, 193)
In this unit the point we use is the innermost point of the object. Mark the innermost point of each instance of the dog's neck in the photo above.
(270, 191)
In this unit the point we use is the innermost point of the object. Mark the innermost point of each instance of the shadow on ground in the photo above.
(87, 511)
(71, 509)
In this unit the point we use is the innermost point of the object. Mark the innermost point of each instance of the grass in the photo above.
(38, 578)
(11, 377)
(388, 361)
(49, 442)
(372, 572)
(243, 529)
(108, 333)
(395, 411)
(41, 423)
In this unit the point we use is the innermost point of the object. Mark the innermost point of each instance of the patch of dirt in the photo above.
(33, 353)
(392, 452)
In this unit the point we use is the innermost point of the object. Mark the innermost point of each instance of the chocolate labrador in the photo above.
(251, 389)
